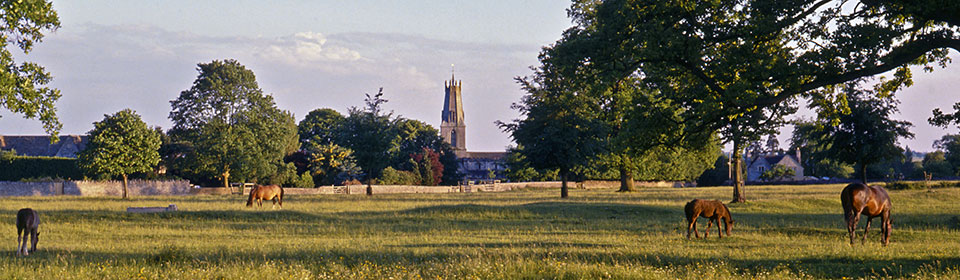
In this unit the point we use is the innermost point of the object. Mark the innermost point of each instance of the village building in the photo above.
(473, 165)
(40, 146)
(759, 164)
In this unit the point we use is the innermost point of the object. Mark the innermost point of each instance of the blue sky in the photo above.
(111, 55)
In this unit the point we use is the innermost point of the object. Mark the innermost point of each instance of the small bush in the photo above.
(919, 185)
(391, 176)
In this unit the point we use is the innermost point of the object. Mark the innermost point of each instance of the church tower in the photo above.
(452, 128)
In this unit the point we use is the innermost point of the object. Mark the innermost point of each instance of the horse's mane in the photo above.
(725, 209)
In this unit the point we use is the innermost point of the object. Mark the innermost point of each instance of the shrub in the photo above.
(391, 176)
(16, 168)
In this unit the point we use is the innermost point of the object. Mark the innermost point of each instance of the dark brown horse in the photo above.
(711, 209)
(28, 222)
(871, 201)
(271, 192)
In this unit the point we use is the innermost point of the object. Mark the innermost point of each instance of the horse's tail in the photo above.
(250, 199)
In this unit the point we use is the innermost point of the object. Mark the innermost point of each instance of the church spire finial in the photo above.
(452, 74)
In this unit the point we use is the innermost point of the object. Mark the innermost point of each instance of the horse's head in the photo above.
(728, 221)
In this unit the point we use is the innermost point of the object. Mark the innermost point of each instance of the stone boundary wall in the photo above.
(95, 188)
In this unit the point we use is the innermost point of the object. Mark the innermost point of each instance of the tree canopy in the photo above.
(121, 144)
(24, 89)
(229, 126)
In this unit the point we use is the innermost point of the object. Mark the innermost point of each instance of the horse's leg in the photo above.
(863, 240)
(690, 224)
(706, 233)
(852, 219)
(23, 244)
(885, 227)
(19, 247)
(34, 238)
(274, 206)
(719, 232)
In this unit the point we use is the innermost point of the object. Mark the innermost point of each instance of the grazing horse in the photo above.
(271, 192)
(28, 222)
(713, 210)
(872, 201)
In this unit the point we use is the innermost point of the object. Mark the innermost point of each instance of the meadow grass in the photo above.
(783, 232)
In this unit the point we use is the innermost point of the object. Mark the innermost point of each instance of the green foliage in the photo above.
(950, 145)
(121, 144)
(559, 129)
(936, 164)
(864, 135)
(225, 126)
(718, 175)
(920, 185)
(24, 88)
(375, 140)
(426, 164)
(777, 173)
(328, 162)
(519, 170)
(369, 133)
(392, 176)
(17, 168)
(320, 127)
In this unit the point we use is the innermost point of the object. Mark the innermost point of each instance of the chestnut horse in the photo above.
(713, 210)
(28, 223)
(871, 201)
(271, 192)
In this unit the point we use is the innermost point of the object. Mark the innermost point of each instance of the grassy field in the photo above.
(783, 232)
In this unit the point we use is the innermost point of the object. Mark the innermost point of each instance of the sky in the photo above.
(111, 55)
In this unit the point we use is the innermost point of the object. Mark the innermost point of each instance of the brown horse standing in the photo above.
(271, 192)
(714, 210)
(872, 201)
(28, 223)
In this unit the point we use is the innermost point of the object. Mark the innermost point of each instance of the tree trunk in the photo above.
(124, 186)
(737, 157)
(226, 180)
(863, 173)
(626, 179)
(563, 184)
(369, 187)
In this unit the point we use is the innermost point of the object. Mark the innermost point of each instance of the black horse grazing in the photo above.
(28, 222)
(713, 210)
(872, 201)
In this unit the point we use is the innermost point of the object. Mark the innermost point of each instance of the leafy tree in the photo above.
(718, 175)
(558, 128)
(24, 88)
(427, 165)
(936, 164)
(815, 160)
(119, 145)
(863, 135)
(328, 161)
(413, 137)
(227, 127)
(369, 133)
(950, 145)
(519, 170)
(737, 66)
(320, 126)
(777, 173)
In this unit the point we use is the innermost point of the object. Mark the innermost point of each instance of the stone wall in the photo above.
(95, 188)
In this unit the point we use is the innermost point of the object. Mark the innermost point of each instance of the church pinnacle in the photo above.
(452, 127)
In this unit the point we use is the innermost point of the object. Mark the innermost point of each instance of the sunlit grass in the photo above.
(782, 232)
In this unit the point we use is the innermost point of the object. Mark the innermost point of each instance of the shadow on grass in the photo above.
(829, 267)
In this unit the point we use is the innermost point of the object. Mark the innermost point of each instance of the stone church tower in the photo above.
(452, 128)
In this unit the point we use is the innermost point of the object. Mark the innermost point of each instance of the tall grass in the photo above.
(782, 232)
